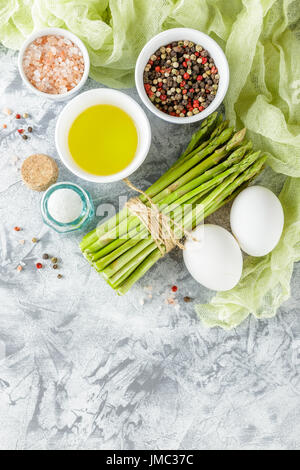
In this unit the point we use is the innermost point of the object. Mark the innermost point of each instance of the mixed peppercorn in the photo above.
(181, 79)
(45, 256)
(18, 116)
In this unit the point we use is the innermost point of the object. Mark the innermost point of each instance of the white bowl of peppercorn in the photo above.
(182, 75)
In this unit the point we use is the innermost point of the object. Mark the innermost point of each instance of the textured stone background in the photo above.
(83, 369)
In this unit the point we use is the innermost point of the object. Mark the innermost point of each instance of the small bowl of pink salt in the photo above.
(54, 63)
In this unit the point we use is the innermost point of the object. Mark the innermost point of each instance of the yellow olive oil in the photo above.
(103, 140)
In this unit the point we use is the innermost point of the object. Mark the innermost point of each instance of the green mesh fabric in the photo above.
(265, 284)
(261, 39)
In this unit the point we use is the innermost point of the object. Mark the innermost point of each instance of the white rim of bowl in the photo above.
(181, 33)
(68, 35)
(144, 132)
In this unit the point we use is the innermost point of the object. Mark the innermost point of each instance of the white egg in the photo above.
(257, 220)
(215, 260)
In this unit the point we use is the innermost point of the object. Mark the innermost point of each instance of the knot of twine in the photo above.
(157, 223)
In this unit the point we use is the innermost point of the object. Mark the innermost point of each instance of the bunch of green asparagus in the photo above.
(217, 164)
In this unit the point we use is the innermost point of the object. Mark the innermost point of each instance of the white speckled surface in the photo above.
(83, 369)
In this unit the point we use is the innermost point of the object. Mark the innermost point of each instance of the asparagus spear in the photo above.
(131, 222)
(119, 277)
(175, 196)
(235, 157)
(167, 207)
(229, 176)
(206, 127)
(220, 200)
(92, 243)
(203, 166)
(207, 173)
(218, 131)
(119, 243)
(135, 245)
(124, 268)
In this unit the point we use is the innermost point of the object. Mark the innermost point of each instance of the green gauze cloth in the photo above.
(265, 284)
(261, 39)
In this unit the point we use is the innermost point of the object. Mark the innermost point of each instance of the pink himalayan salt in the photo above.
(53, 64)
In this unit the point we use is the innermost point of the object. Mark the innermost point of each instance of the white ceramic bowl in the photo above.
(58, 32)
(93, 98)
(197, 37)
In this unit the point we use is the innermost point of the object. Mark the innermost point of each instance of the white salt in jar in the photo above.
(67, 207)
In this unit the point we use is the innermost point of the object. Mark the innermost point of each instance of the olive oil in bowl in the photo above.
(103, 140)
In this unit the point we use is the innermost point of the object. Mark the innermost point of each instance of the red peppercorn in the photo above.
(157, 69)
(160, 84)
(39, 265)
(174, 289)
(201, 108)
(21, 131)
(192, 90)
(150, 94)
(197, 54)
(204, 60)
(184, 92)
(196, 104)
(182, 84)
(214, 70)
(184, 111)
(184, 64)
(150, 62)
(17, 229)
(199, 78)
(186, 76)
(18, 116)
(147, 86)
(163, 97)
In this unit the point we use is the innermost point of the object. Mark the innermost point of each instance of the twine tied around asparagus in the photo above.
(157, 223)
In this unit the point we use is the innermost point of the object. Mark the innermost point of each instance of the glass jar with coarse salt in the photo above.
(66, 207)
